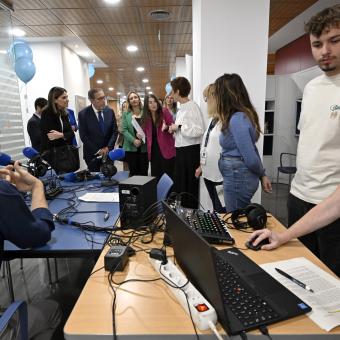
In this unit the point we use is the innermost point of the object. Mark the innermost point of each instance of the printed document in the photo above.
(325, 301)
(102, 197)
(138, 128)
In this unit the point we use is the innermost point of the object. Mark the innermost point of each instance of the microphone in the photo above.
(116, 154)
(70, 177)
(30, 152)
(37, 165)
(6, 160)
(108, 169)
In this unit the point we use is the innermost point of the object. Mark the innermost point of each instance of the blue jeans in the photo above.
(239, 183)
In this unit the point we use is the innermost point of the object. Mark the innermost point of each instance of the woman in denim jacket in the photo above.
(240, 163)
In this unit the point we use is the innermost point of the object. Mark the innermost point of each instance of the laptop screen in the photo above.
(194, 256)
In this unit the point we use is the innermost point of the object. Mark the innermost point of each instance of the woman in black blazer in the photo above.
(55, 126)
(56, 131)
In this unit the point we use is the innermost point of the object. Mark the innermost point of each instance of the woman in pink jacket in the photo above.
(160, 142)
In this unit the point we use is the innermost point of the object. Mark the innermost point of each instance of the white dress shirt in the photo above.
(190, 118)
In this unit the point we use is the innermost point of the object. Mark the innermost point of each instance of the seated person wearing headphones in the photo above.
(27, 228)
(320, 216)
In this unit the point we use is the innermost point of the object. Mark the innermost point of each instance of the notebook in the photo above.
(242, 293)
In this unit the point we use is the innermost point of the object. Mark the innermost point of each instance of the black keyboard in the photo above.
(210, 226)
(247, 306)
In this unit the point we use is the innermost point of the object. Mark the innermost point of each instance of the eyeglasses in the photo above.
(101, 98)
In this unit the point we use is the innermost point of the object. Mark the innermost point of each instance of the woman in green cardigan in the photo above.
(135, 149)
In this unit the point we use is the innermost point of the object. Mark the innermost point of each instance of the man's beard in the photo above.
(328, 68)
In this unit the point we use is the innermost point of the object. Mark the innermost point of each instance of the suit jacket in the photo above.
(129, 134)
(166, 141)
(92, 136)
(34, 131)
(50, 121)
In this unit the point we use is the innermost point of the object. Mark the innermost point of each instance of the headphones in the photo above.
(256, 217)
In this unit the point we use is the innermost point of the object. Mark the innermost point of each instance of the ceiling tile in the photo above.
(122, 29)
(162, 27)
(28, 4)
(76, 16)
(66, 3)
(36, 17)
(88, 30)
(53, 31)
(123, 40)
(122, 15)
(105, 49)
(97, 39)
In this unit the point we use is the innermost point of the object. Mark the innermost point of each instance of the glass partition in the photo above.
(11, 126)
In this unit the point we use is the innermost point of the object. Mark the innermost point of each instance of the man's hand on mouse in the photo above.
(275, 239)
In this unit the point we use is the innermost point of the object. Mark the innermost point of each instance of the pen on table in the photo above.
(335, 311)
(301, 284)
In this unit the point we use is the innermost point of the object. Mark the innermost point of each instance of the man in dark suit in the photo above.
(97, 128)
(33, 125)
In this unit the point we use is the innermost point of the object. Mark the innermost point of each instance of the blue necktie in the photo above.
(101, 121)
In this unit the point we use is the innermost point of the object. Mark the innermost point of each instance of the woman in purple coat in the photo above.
(160, 142)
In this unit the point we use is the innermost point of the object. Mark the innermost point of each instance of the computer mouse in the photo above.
(249, 244)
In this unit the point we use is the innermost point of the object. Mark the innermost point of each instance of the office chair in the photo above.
(164, 185)
(286, 158)
(13, 322)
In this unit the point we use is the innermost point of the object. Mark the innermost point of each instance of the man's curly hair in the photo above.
(326, 19)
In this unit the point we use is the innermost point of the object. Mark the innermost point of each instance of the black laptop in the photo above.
(244, 296)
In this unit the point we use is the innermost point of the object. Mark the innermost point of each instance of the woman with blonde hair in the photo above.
(210, 151)
(240, 163)
(134, 146)
(171, 105)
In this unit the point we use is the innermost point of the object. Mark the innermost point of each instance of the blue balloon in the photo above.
(168, 88)
(91, 70)
(24, 69)
(11, 48)
(22, 50)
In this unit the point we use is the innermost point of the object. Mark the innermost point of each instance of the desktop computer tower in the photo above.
(136, 194)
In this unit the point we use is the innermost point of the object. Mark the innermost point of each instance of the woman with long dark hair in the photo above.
(57, 134)
(160, 143)
(240, 163)
(55, 125)
(134, 146)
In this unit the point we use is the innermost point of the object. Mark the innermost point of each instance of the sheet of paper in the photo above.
(100, 197)
(325, 301)
(138, 128)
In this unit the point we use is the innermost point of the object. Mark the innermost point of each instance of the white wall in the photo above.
(285, 95)
(49, 73)
(56, 65)
(76, 77)
(231, 36)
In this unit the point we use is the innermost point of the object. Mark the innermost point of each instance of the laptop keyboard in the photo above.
(248, 307)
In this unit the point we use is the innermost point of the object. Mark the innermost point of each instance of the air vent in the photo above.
(160, 14)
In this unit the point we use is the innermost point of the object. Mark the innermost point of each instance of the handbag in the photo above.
(64, 158)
